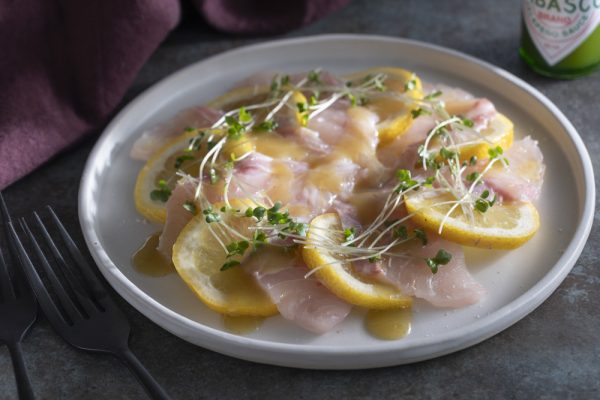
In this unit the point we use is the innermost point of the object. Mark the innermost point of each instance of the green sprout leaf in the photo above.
(237, 248)
(418, 112)
(210, 215)
(349, 234)
(433, 95)
(266, 126)
(495, 152)
(441, 258)
(183, 158)
(447, 154)
(229, 264)
(421, 235)
(162, 192)
(400, 232)
(190, 207)
(472, 177)
(468, 122)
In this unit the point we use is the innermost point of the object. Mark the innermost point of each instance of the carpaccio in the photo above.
(325, 152)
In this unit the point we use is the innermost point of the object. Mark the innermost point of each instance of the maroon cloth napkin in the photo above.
(66, 64)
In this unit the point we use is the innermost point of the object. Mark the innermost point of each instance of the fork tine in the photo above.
(4, 210)
(8, 291)
(98, 289)
(5, 282)
(45, 301)
(74, 283)
(67, 303)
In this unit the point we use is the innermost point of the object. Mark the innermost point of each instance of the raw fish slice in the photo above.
(348, 214)
(330, 125)
(459, 102)
(402, 151)
(177, 216)
(154, 138)
(452, 286)
(522, 179)
(481, 113)
(310, 140)
(302, 300)
(251, 176)
(319, 187)
(361, 144)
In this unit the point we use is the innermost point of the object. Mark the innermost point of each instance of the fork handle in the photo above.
(23, 384)
(154, 390)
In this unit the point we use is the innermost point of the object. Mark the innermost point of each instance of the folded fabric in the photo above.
(66, 64)
(264, 16)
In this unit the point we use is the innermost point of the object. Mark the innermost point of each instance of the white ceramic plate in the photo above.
(517, 281)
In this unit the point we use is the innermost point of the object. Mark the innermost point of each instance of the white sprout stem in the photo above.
(232, 230)
(285, 99)
(456, 204)
(226, 189)
(217, 238)
(221, 120)
(384, 216)
(480, 177)
(203, 164)
(325, 105)
(389, 228)
(432, 133)
(380, 217)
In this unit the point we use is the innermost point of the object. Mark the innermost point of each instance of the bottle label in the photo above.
(558, 27)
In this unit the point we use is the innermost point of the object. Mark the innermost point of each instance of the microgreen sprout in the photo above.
(432, 95)
(410, 85)
(210, 215)
(266, 126)
(229, 264)
(442, 257)
(162, 192)
(190, 207)
(181, 159)
(417, 112)
(349, 234)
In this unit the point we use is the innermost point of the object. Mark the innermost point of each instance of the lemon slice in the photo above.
(394, 114)
(295, 100)
(161, 166)
(502, 226)
(198, 257)
(337, 275)
(499, 132)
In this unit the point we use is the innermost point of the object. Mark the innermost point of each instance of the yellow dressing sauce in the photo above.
(326, 178)
(387, 108)
(148, 261)
(274, 145)
(283, 177)
(389, 324)
(241, 324)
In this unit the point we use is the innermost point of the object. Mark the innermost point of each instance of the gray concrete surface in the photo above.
(552, 353)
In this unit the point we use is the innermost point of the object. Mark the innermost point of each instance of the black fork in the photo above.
(18, 311)
(81, 310)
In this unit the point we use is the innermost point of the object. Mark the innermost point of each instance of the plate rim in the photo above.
(471, 334)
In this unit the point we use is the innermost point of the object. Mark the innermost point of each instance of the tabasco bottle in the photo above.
(561, 38)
